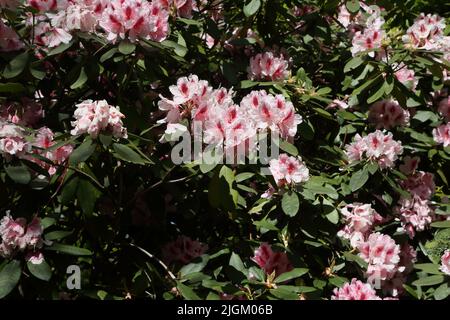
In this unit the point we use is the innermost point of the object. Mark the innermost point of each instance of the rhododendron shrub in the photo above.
(328, 124)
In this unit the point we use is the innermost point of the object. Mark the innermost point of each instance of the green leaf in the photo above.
(243, 176)
(353, 64)
(284, 294)
(108, 54)
(19, 174)
(57, 235)
(12, 87)
(424, 116)
(429, 281)
(187, 292)
(126, 47)
(82, 153)
(289, 148)
(16, 66)
(41, 271)
(295, 273)
(354, 258)
(82, 78)
(359, 179)
(72, 250)
(125, 153)
(290, 204)
(441, 224)
(194, 266)
(236, 262)
(87, 195)
(430, 268)
(352, 6)
(442, 292)
(377, 95)
(47, 222)
(38, 74)
(9, 277)
(60, 49)
(252, 7)
(245, 84)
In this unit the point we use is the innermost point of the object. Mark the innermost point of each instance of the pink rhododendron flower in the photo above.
(183, 250)
(415, 214)
(12, 140)
(221, 121)
(76, 17)
(341, 104)
(134, 19)
(16, 235)
(9, 39)
(355, 290)
(288, 170)
(420, 184)
(445, 262)
(388, 114)
(268, 66)
(93, 117)
(271, 112)
(43, 141)
(35, 257)
(271, 261)
(359, 222)
(442, 134)
(368, 40)
(376, 146)
(426, 32)
(47, 5)
(382, 255)
(406, 76)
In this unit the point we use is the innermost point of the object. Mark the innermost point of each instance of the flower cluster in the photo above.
(12, 140)
(441, 134)
(134, 19)
(271, 261)
(376, 146)
(17, 236)
(367, 41)
(183, 250)
(43, 141)
(116, 19)
(366, 27)
(9, 39)
(445, 262)
(426, 32)
(388, 114)
(355, 290)
(382, 255)
(288, 170)
(268, 66)
(406, 76)
(415, 212)
(93, 117)
(360, 220)
(223, 122)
